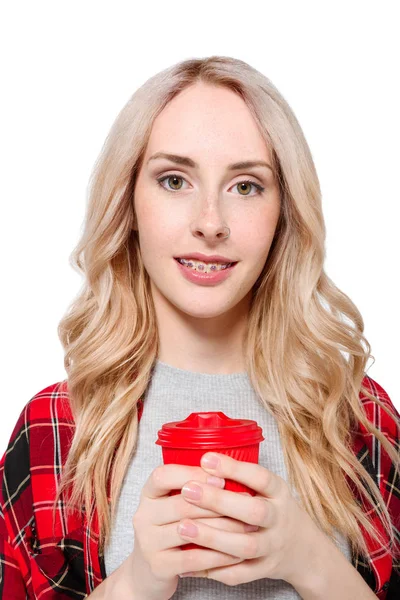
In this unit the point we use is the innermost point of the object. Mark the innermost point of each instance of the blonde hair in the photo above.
(304, 360)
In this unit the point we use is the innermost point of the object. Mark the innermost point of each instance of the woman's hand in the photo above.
(152, 569)
(284, 545)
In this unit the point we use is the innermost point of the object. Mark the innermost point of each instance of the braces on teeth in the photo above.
(206, 268)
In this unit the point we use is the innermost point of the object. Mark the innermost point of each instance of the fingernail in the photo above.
(188, 529)
(210, 461)
(192, 491)
(217, 481)
(189, 574)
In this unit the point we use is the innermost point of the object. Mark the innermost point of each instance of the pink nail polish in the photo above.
(188, 529)
(192, 491)
(210, 461)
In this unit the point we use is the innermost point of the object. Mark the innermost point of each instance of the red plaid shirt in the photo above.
(37, 562)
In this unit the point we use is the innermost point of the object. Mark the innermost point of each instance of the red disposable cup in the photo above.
(185, 442)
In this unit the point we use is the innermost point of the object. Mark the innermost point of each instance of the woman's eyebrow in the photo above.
(188, 162)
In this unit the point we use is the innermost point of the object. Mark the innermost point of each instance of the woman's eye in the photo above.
(175, 178)
(246, 183)
(243, 185)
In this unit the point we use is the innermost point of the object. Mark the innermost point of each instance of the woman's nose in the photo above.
(210, 222)
(211, 232)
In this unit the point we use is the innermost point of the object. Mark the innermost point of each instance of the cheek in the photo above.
(159, 234)
(158, 215)
(150, 217)
(257, 234)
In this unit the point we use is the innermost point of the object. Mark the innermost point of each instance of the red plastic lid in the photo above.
(204, 429)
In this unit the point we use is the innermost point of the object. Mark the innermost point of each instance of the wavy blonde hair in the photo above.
(304, 360)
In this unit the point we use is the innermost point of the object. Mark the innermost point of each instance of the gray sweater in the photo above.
(171, 396)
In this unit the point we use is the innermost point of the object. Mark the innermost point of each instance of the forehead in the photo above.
(208, 122)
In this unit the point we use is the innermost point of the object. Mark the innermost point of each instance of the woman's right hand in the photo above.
(157, 559)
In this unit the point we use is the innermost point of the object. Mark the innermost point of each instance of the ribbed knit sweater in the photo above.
(171, 396)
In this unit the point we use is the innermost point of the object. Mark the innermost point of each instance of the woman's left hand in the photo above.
(287, 539)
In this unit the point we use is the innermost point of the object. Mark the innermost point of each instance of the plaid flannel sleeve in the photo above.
(387, 479)
(12, 566)
(12, 586)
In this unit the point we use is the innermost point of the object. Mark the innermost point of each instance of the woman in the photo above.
(206, 158)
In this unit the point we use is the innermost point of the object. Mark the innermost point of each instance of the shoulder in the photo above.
(44, 424)
(48, 410)
(383, 414)
(50, 404)
(47, 407)
(375, 389)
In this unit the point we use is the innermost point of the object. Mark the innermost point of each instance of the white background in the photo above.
(67, 70)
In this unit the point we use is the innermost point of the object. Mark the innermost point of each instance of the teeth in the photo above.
(203, 267)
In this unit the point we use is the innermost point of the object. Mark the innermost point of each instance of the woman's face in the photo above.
(187, 212)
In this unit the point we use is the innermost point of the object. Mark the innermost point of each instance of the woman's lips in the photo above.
(205, 278)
